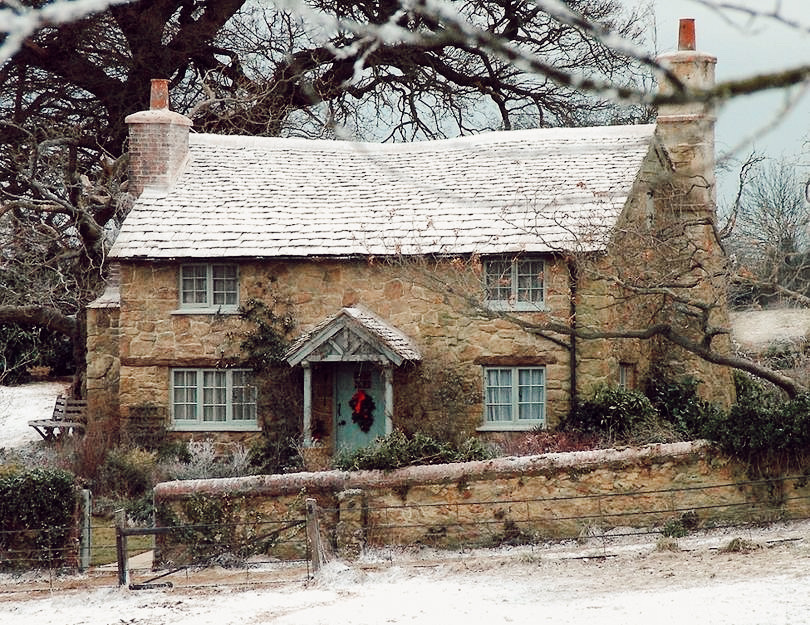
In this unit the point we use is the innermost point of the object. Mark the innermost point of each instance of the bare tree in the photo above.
(770, 237)
(392, 70)
(69, 80)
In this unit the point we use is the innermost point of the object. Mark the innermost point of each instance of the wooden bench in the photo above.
(69, 417)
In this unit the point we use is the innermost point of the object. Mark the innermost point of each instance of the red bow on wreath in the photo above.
(362, 407)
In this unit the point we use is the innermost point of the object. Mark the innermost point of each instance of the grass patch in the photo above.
(667, 543)
(740, 545)
(103, 549)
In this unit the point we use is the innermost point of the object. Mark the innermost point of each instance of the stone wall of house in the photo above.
(567, 495)
(664, 239)
(442, 395)
(103, 369)
(155, 337)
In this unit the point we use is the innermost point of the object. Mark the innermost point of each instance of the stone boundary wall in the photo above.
(562, 495)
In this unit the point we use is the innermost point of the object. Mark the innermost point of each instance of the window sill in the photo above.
(214, 427)
(205, 311)
(511, 427)
(519, 307)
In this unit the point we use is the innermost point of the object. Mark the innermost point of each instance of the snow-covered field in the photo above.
(625, 582)
(21, 404)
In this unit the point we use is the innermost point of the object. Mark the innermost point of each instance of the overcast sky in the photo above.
(744, 47)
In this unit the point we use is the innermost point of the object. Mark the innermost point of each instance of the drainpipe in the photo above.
(307, 424)
(572, 315)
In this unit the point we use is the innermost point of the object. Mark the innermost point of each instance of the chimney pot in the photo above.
(686, 34)
(159, 94)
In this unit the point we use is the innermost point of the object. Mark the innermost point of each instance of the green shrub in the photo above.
(678, 402)
(399, 450)
(276, 453)
(769, 433)
(127, 472)
(616, 415)
(24, 348)
(40, 499)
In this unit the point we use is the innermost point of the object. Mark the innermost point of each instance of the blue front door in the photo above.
(359, 405)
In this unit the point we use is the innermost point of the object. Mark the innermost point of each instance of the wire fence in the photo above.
(250, 551)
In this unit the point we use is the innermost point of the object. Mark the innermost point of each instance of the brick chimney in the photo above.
(158, 142)
(686, 130)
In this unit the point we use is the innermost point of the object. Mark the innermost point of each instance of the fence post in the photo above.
(86, 540)
(314, 534)
(121, 547)
(351, 526)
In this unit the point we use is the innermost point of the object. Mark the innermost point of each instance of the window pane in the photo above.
(185, 395)
(498, 398)
(243, 396)
(627, 375)
(214, 396)
(224, 284)
(498, 277)
(530, 281)
(193, 284)
(531, 392)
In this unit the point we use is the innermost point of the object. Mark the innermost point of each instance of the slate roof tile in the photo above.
(529, 190)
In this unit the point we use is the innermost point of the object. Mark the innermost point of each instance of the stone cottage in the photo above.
(453, 287)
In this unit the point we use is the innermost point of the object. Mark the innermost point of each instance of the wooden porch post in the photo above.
(307, 403)
(388, 379)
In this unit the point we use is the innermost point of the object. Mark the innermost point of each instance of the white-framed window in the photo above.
(213, 399)
(515, 284)
(514, 397)
(627, 375)
(209, 287)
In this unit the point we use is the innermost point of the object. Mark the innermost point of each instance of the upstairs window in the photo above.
(517, 284)
(213, 399)
(514, 398)
(213, 287)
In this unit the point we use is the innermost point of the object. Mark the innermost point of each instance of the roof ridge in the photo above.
(485, 138)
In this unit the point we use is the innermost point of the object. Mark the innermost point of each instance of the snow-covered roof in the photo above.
(528, 190)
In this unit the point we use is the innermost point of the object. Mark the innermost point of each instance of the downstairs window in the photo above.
(514, 398)
(213, 399)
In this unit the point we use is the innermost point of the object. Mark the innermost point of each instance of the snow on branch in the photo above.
(19, 22)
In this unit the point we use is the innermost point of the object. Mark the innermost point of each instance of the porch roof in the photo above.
(353, 335)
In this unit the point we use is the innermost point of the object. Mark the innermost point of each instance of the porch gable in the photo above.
(353, 335)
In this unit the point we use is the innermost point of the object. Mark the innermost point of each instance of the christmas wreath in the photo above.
(362, 410)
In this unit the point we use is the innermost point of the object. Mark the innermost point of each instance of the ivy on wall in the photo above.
(267, 341)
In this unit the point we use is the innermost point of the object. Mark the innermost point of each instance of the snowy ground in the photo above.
(626, 581)
(618, 584)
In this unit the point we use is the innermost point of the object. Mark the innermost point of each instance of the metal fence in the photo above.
(245, 562)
